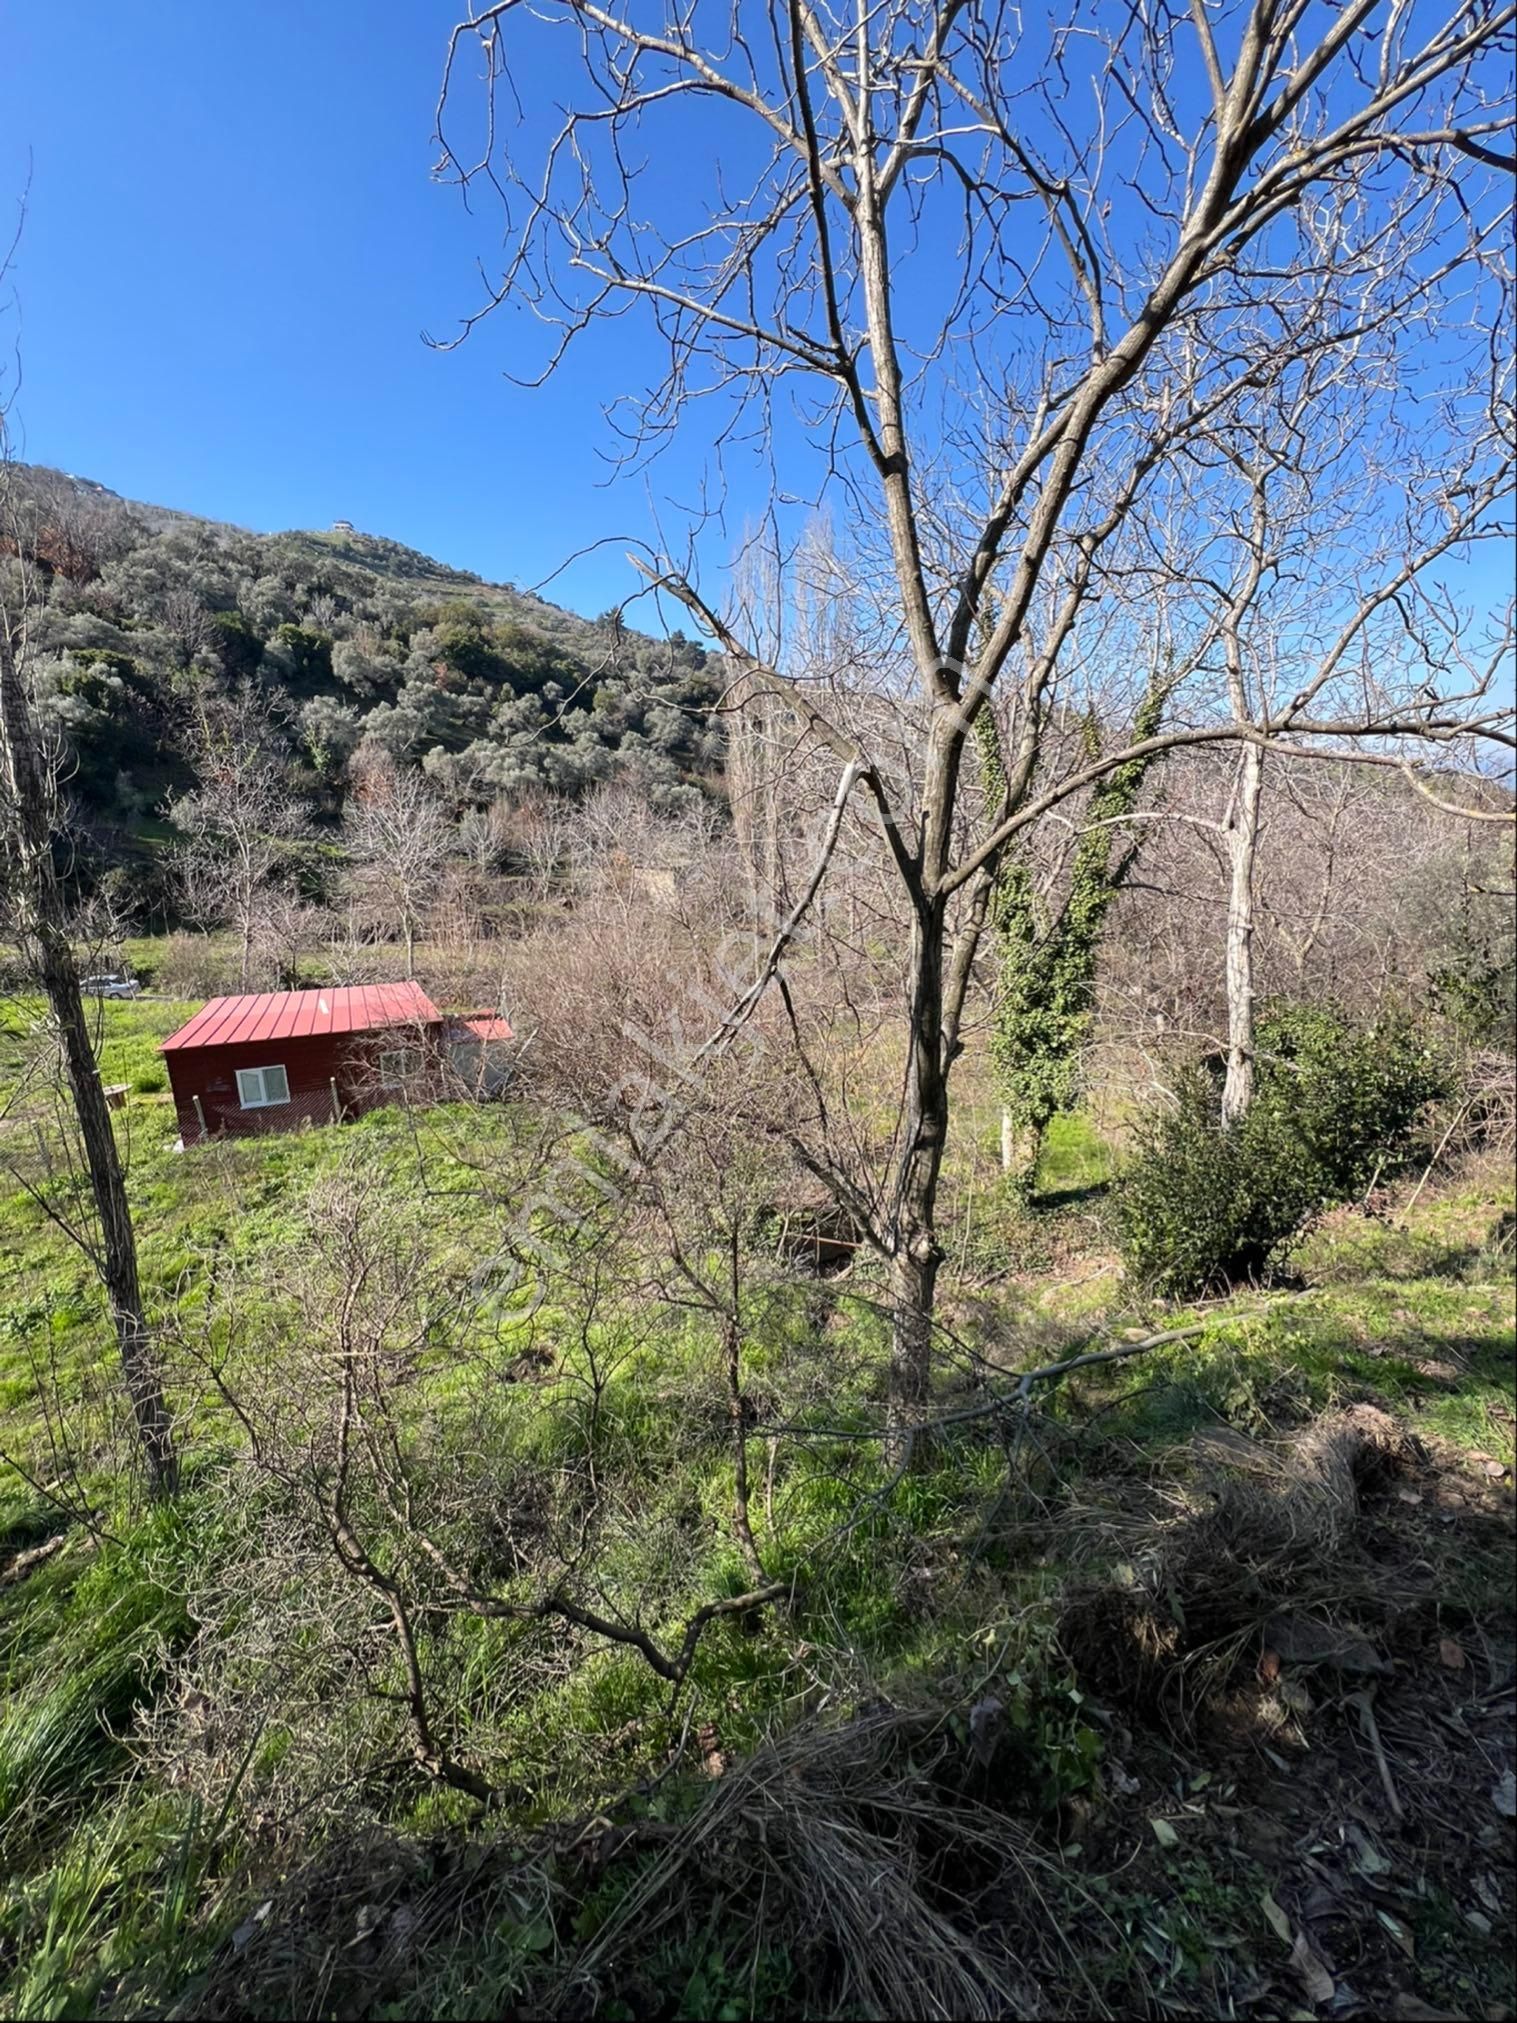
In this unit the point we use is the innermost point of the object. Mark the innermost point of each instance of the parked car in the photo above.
(110, 986)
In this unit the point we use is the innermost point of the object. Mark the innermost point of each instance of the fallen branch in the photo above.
(1371, 1729)
(999, 1405)
(1463, 1111)
(1002, 1401)
(34, 1555)
(1052, 1372)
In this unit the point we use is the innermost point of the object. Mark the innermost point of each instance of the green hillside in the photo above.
(350, 641)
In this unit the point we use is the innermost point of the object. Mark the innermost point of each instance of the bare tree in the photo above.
(1077, 250)
(187, 623)
(1364, 892)
(31, 852)
(1326, 802)
(286, 927)
(410, 1505)
(536, 831)
(398, 833)
(61, 524)
(1288, 626)
(238, 822)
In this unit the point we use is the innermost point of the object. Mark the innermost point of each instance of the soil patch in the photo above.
(1308, 1654)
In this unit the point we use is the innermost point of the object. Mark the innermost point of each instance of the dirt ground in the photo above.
(1314, 1817)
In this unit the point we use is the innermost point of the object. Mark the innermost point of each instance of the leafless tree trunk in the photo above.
(1242, 838)
(754, 796)
(755, 756)
(37, 898)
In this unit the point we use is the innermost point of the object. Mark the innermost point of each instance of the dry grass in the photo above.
(1237, 1540)
(835, 1843)
(858, 1854)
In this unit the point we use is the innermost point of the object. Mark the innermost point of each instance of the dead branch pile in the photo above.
(851, 1853)
(1243, 1548)
(834, 1844)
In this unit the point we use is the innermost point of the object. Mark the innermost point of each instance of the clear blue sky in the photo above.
(232, 249)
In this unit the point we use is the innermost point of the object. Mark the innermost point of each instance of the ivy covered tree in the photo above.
(1046, 954)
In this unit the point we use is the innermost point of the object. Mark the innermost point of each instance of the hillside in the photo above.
(349, 639)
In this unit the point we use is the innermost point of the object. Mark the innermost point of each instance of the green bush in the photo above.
(1477, 994)
(1205, 1205)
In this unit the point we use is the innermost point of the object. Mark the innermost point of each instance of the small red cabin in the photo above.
(290, 1057)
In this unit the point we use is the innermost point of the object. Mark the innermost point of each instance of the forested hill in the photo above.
(349, 640)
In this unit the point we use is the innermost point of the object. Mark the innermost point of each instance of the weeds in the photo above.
(198, 1706)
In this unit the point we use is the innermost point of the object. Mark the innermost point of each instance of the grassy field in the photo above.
(207, 964)
(170, 1760)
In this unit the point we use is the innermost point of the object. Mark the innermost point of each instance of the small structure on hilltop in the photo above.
(284, 1058)
(342, 526)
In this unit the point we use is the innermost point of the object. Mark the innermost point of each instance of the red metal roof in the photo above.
(304, 1014)
(488, 1025)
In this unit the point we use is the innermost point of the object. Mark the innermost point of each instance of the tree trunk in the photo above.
(40, 908)
(917, 1254)
(913, 1289)
(1242, 847)
(1020, 1153)
(117, 1262)
(410, 947)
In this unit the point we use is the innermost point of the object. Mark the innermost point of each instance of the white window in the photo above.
(396, 1066)
(257, 1088)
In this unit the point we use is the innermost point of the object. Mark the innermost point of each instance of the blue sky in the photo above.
(232, 250)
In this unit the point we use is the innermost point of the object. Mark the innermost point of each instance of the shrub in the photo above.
(1477, 994)
(196, 965)
(1204, 1205)
(1348, 1095)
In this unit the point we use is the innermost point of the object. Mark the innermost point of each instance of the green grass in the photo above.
(115, 1882)
(1073, 1160)
(215, 959)
(1414, 1318)
(127, 1033)
(83, 1642)
(101, 1874)
(190, 1208)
